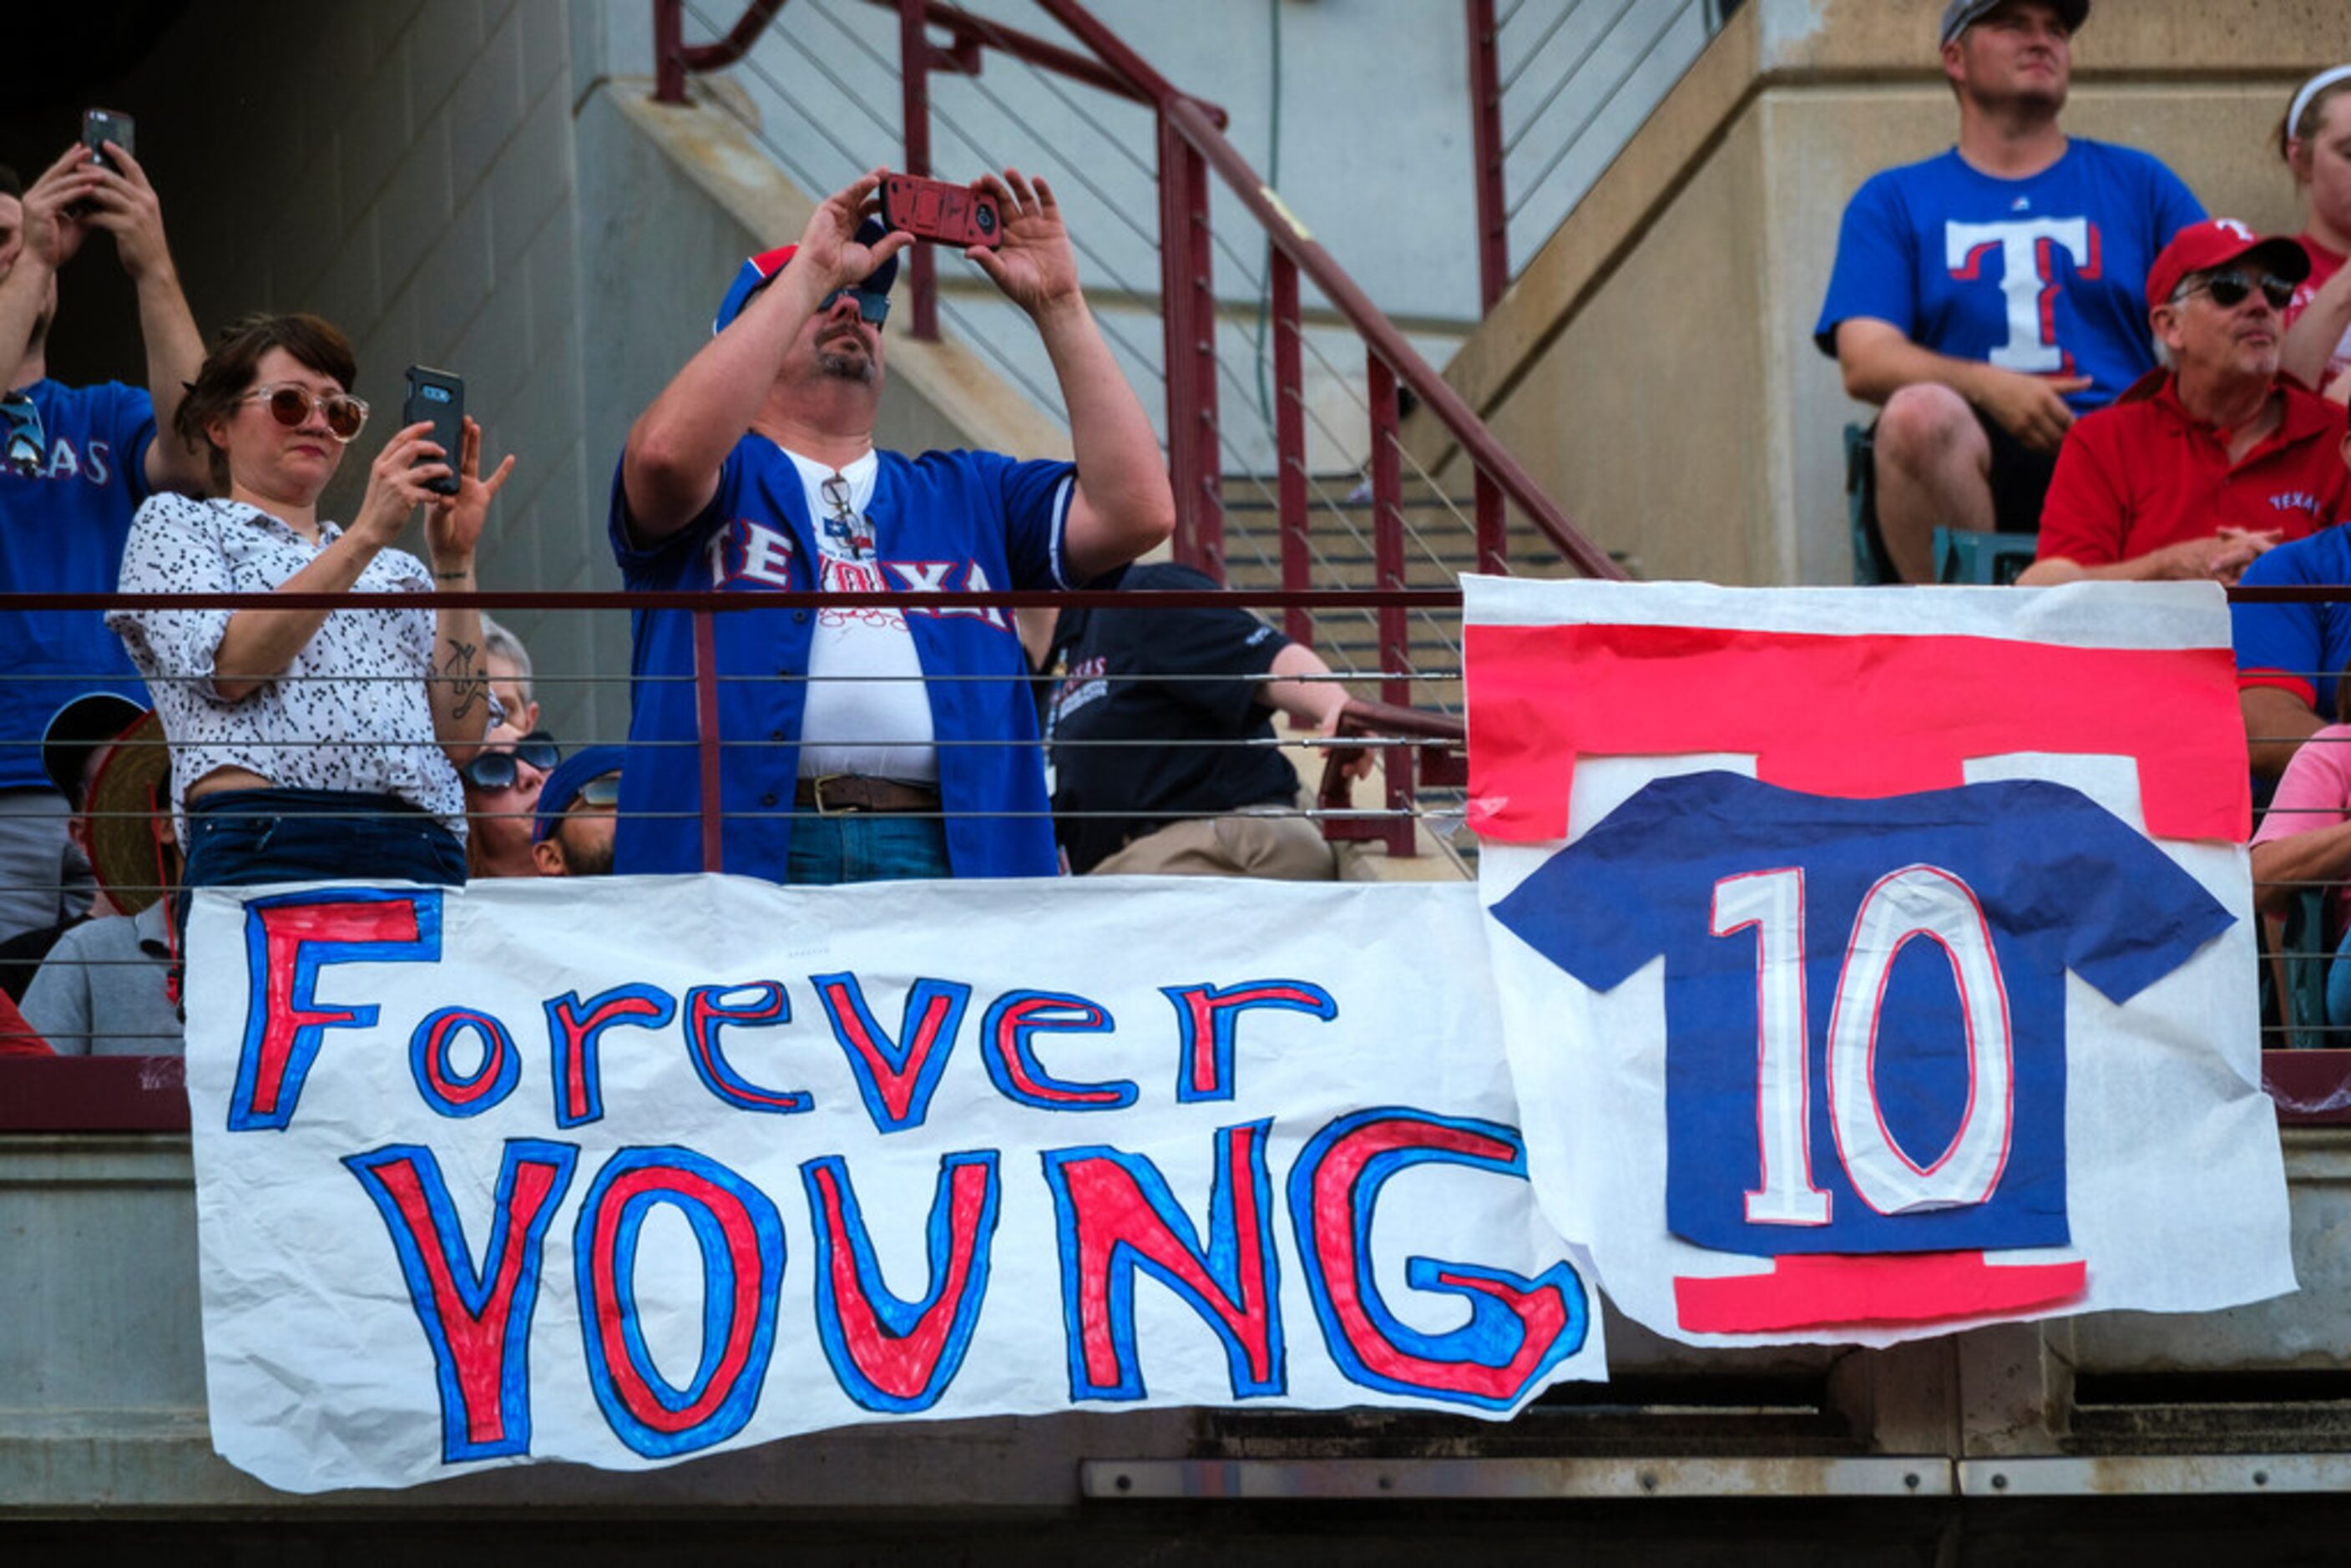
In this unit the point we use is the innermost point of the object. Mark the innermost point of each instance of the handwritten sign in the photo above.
(628, 1170)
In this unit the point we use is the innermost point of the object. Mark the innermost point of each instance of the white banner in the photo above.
(1877, 964)
(628, 1170)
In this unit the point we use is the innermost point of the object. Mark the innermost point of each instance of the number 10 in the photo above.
(1918, 901)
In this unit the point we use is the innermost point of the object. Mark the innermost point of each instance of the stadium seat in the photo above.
(1993, 559)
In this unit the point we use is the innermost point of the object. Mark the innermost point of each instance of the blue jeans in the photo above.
(866, 846)
(2338, 989)
(240, 837)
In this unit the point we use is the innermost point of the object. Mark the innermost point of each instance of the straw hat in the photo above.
(129, 802)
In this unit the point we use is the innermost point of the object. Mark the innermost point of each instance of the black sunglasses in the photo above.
(497, 769)
(872, 304)
(20, 419)
(2230, 288)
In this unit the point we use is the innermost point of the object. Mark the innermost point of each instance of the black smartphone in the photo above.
(440, 397)
(99, 126)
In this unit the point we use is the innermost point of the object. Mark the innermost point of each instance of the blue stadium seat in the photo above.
(1993, 559)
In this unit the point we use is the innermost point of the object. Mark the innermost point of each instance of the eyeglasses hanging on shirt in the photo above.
(850, 532)
(28, 448)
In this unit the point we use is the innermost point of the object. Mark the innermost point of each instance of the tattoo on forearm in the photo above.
(470, 684)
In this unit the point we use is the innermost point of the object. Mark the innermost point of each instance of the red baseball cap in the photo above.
(2216, 242)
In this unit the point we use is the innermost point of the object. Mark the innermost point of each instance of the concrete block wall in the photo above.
(405, 168)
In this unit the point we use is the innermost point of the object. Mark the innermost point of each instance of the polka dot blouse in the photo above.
(350, 713)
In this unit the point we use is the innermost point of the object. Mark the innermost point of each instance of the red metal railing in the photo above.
(1192, 144)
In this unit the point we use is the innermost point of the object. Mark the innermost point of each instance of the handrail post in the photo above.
(1190, 324)
(915, 84)
(1289, 446)
(1493, 531)
(1486, 139)
(706, 740)
(669, 51)
(1387, 556)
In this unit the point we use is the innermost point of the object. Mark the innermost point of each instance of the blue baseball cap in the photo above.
(760, 271)
(561, 790)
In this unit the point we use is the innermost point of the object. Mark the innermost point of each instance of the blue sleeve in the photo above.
(2127, 914)
(666, 562)
(1876, 268)
(130, 426)
(1036, 502)
(2288, 639)
(1587, 909)
(2176, 205)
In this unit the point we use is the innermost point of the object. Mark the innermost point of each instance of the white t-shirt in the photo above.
(868, 711)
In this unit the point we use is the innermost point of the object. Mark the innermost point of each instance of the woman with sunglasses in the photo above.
(2315, 141)
(305, 743)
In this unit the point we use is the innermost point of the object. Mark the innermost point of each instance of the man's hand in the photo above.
(2031, 408)
(53, 234)
(125, 206)
(1035, 267)
(828, 247)
(2222, 557)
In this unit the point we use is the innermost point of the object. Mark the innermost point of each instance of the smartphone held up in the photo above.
(943, 214)
(439, 397)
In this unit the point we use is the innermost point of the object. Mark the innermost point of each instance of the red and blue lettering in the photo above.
(478, 1320)
(1114, 1216)
(288, 939)
(1207, 1022)
(448, 1092)
(741, 1239)
(576, 1031)
(889, 1355)
(1011, 1026)
(896, 1078)
(707, 1011)
(1518, 1328)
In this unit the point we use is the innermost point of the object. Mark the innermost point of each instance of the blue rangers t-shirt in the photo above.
(62, 526)
(2046, 276)
(1986, 894)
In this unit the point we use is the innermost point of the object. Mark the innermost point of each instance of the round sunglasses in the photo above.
(497, 770)
(289, 405)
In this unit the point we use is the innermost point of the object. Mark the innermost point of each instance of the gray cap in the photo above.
(1962, 14)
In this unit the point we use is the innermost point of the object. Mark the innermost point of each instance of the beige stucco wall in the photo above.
(1653, 366)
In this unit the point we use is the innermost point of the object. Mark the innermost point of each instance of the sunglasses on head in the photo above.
(872, 304)
(497, 769)
(20, 419)
(289, 405)
(604, 790)
(2230, 288)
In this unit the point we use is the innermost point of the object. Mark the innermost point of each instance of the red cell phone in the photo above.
(943, 214)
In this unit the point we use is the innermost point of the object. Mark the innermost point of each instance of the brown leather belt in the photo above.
(837, 792)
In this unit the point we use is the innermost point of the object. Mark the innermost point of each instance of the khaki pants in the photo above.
(1283, 846)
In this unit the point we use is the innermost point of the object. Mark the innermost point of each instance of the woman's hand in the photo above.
(453, 526)
(396, 483)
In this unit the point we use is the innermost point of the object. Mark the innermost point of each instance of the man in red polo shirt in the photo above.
(2204, 464)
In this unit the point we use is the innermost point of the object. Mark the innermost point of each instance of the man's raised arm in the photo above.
(124, 203)
(670, 467)
(1123, 505)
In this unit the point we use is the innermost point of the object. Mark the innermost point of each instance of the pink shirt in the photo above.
(2315, 792)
